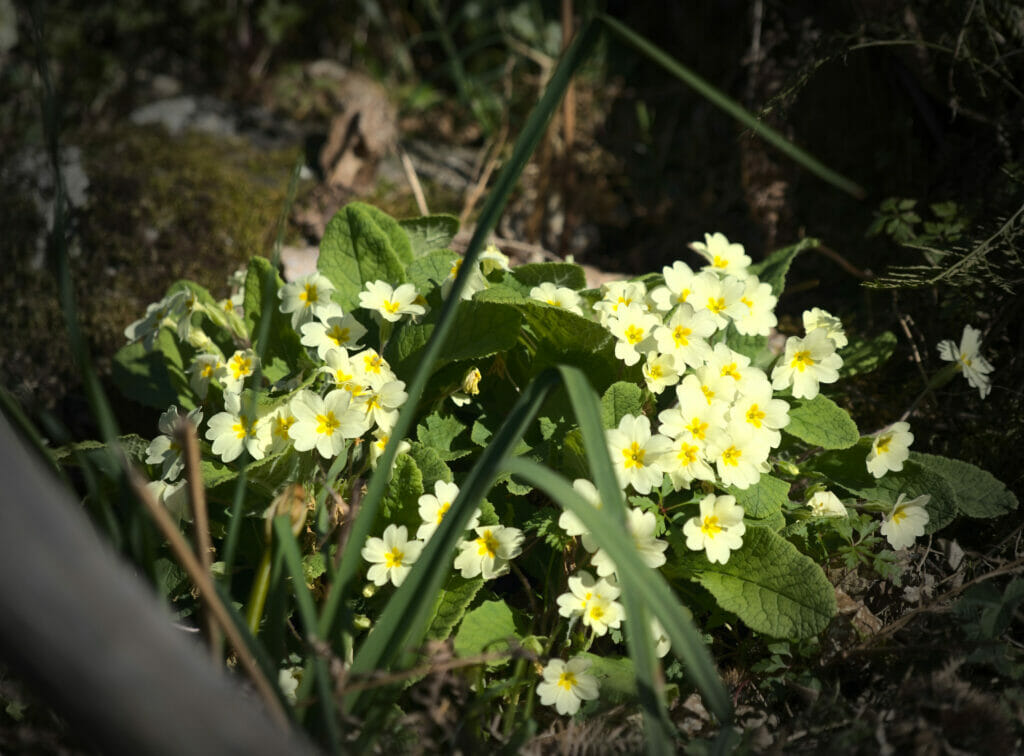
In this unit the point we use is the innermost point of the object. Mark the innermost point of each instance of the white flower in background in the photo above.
(172, 496)
(660, 372)
(391, 556)
(469, 388)
(739, 454)
(557, 296)
(306, 297)
(974, 367)
(662, 643)
(157, 315)
(640, 526)
(280, 422)
(490, 552)
(684, 335)
(345, 371)
(567, 684)
(635, 453)
(325, 423)
(618, 295)
(202, 370)
(806, 363)
(723, 256)
(569, 522)
(593, 601)
(719, 296)
(890, 449)
(233, 373)
(390, 303)
(334, 330)
(380, 442)
(676, 291)
(826, 504)
(632, 326)
(493, 259)
(476, 281)
(906, 521)
(718, 530)
(232, 430)
(164, 450)
(188, 304)
(433, 507)
(758, 318)
(819, 318)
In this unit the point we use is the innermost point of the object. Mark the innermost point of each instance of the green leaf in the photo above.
(355, 250)
(978, 493)
(620, 399)
(568, 275)
(451, 605)
(486, 630)
(481, 329)
(773, 269)
(430, 233)
(822, 422)
(283, 346)
(563, 338)
(438, 432)
(404, 489)
(430, 271)
(769, 585)
(399, 237)
(142, 376)
(763, 499)
(863, 356)
(430, 464)
(616, 678)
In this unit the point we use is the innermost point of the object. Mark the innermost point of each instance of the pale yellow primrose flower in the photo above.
(660, 372)
(619, 295)
(640, 527)
(469, 388)
(325, 423)
(380, 442)
(633, 327)
(232, 430)
(333, 330)
(202, 370)
(306, 297)
(974, 367)
(157, 315)
(391, 556)
(489, 553)
(739, 453)
(635, 452)
(697, 413)
(433, 507)
(676, 291)
(557, 296)
(890, 449)
(819, 318)
(390, 303)
(493, 259)
(164, 450)
(722, 297)
(476, 281)
(684, 335)
(173, 497)
(758, 318)
(233, 373)
(593, 601)
(718, 529)
(756, 406)
(906, 521)
(826, 504)
(382, 399)
(569, 522)
(724, 257)
(685, 463)
(566, 684)
(807, 362)
(346, 371)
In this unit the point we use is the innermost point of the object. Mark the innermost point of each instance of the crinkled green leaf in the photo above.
(770, 586)
(355, 250)
(762, 499)
(563, 338)
(978, 492)
(616, 678)
(504, 293)
(451, 605)
(404, 489)
(865, 355)
(431, 270)
(621, 398)
(822, 422)
(142, 376)
(773, 269)
(487, 630)
(430, 233)
(438, 432)
(564, 274)
(430, 465)
(398, 235)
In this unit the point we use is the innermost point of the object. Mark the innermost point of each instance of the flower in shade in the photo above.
(906, 521)
(164, 450)
(567, 684)
(819, 318)
(202, 370)
(974, 367)
(890, 449)
(826, 504)
(718, 529)
(568, 521)
(489, 553)
(391, 556)
(593, 601)
(640, 526)
(557, 296)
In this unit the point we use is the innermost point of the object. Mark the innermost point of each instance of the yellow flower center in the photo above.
(731, 456)
(655, 371)
(553, 302)
(393, 558)
(708, 393)
(327, 424)
(488, 544)
(731, 370)
(802, 360)
(755, 415)
(442, 508)
(282, 424)
(391, 306)
(882, 445)
(338, 334)
(687, 454)
(683, 295)
(633, 455)
(716, 305)
(373, 362)
(898, 516)
(597, 612)
(241, 366)
(747, 302)
(634, 335)
(239, 429)
(720, 262)
(965, 359)
(309, 295)
(567, 680)
(710, 527)
(456, 267)
(698, 428)
(206, 371)
(681, 335)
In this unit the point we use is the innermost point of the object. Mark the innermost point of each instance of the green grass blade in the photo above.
(404, 621)
(731, 107)
(491, 211)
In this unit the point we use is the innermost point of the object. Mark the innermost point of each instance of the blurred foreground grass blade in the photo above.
(307, 613)
(404, 621)
(489, 215)
(733, 108)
